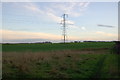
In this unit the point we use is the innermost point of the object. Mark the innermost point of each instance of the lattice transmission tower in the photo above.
(63, 22)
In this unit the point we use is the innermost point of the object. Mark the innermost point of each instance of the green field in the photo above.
(55, 46)
(58, 60)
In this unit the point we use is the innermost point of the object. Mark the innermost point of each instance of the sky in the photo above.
(40, 21)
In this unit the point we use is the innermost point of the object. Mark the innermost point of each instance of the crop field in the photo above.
(58, 60)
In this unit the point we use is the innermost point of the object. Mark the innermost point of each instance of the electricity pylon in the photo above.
(63, 22)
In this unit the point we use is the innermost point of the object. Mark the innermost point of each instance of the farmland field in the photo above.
(58, 60)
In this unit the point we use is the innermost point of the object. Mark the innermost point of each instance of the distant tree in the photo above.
(75, 41)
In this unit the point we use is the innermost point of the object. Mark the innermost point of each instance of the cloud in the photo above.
(83, 28)
(70, 22)
(33, 8)
(106, 34)
(9, 34)
(48, 12)
(15, 35)
(84, 4)
(73, 26)
(51, 12)
(54, 17)
(74, 9)
(76, 27)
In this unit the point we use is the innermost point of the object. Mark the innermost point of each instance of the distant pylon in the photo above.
(63, 22)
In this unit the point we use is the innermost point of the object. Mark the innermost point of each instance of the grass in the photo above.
(54, 46)
(71, 60)
(111, 67)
